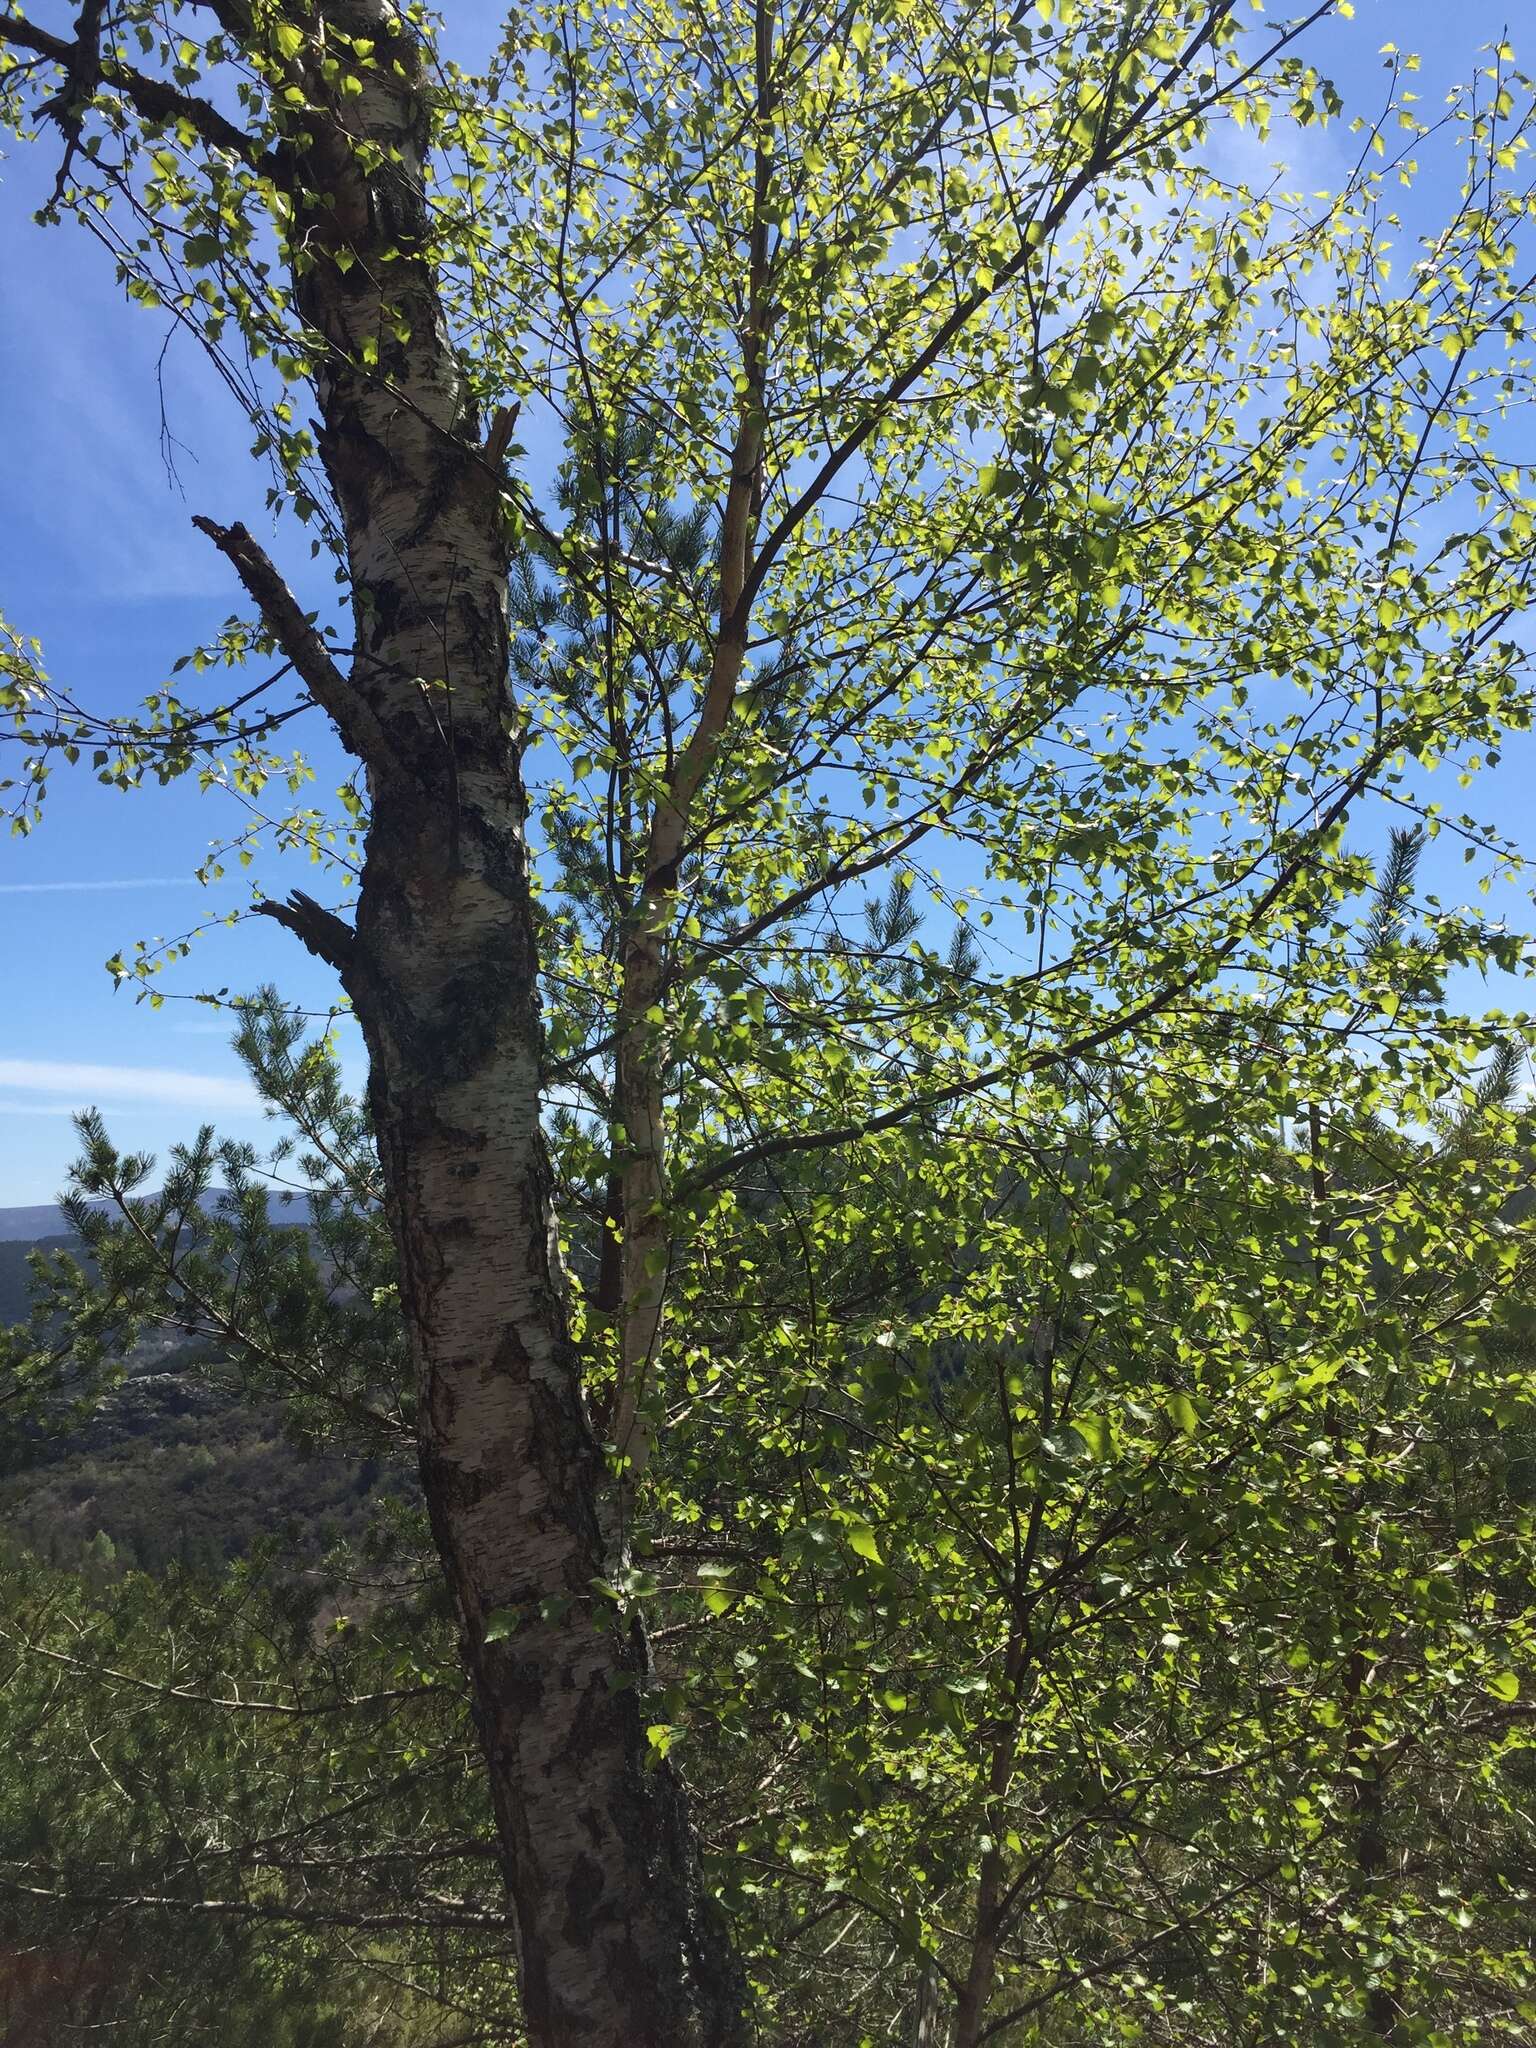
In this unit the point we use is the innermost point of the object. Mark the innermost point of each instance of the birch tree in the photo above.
(1065, 512)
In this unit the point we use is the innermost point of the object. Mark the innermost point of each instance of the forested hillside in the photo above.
(173, 1465)
(171, 1471)
(16, 1270)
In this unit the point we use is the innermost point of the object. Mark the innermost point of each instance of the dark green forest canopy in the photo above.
(937, 1252)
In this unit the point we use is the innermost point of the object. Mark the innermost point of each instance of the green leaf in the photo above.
(1184, 1414)
(1098, 1433)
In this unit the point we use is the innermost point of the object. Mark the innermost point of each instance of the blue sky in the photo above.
(98, 559)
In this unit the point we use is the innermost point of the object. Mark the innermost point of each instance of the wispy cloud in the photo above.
(133, 882)
(91, 366)
(83, 1082)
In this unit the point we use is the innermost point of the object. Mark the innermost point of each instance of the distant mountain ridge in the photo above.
(46, 1219)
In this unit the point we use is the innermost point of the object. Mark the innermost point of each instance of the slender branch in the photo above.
(152, 97)
(1106, 152)
(204, 1699)
(1113, 1027)
(444, 1913)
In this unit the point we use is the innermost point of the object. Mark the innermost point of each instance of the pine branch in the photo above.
(1392, 892)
